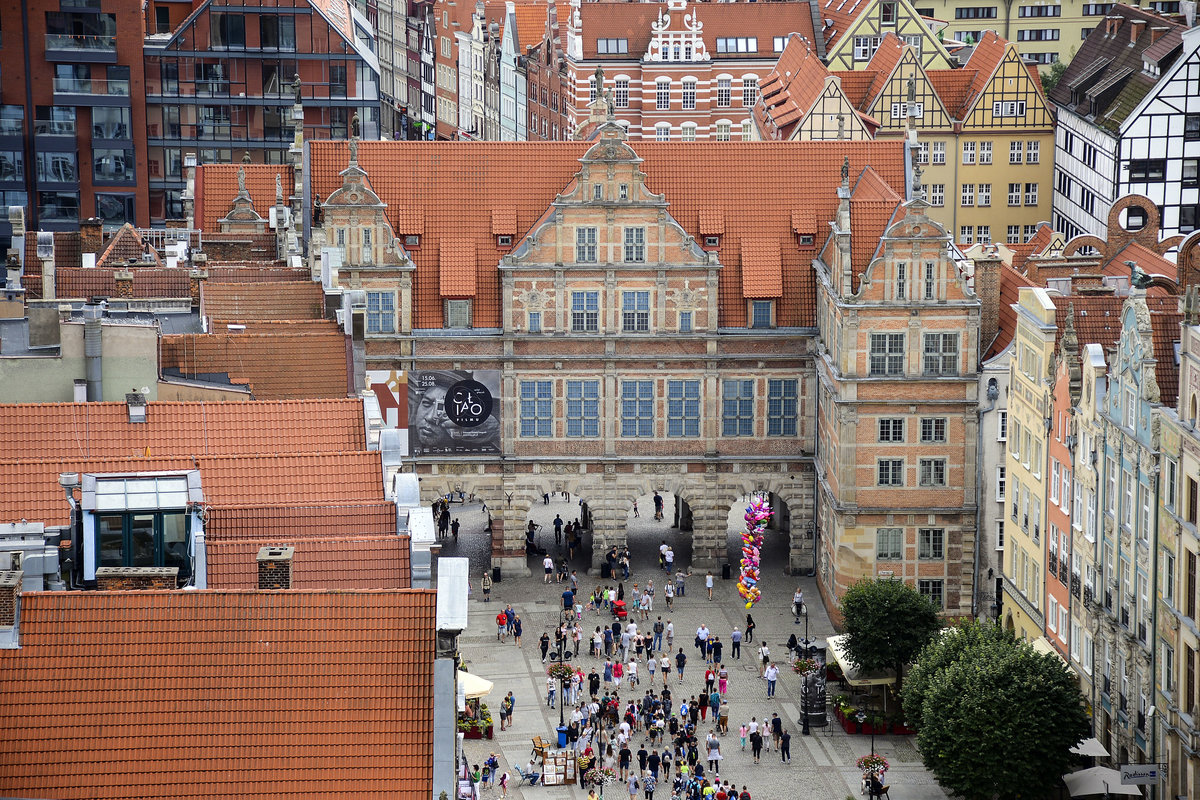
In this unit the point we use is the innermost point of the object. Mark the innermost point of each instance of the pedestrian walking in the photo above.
(785, 747)
(742, 736)
(722, 679)
(708, 583)
(658, 629)
(749, 629)
(756, 745)
(735, 641)
(764, 652)
(798, 604)
(544, 644)
(558, 529)
(680, 663)
(635, 510)
(771, 673)
(485, 583)
(548, 565)
(454, 528)
(517, 630)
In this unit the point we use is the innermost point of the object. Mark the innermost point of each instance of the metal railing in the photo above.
(100, 86)
(93, 42)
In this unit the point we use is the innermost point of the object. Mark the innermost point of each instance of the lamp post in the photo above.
(861, 716)
(561, 657)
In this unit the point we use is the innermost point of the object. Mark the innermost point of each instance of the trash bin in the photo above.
(495, 574)
(725, 571)
(605, 571)
(562, 736)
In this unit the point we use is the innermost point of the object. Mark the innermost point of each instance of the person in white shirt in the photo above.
(765, 653)
(631, 672)
(771, 673)
(548, 565)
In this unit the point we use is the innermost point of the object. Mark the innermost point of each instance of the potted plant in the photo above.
(873, 763)
(833, 671)
(803, 666)
(601, 777)
(478, 727)
(560, 672)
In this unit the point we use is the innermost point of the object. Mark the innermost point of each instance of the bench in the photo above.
(540, 748)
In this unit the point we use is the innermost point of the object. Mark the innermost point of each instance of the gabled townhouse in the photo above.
(678, 70)
(800, 99)
(1125, 109)
(854, 29)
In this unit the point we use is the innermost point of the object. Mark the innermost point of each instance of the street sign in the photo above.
(1141, 774)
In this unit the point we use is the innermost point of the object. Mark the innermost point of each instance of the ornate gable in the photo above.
(677, 35)
(353, 219)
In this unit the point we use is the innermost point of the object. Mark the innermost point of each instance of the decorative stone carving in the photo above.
(660, 469)
(558, 469)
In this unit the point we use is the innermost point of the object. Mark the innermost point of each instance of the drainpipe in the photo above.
(1153, 634)
(993, 393)
(93, 311)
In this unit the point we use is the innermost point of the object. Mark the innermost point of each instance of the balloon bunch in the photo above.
(757, 514)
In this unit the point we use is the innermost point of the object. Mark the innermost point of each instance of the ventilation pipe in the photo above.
(93, 311)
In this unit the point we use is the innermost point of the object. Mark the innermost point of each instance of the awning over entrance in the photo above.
(835, 645)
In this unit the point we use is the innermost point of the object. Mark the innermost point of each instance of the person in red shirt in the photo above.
(501, 625)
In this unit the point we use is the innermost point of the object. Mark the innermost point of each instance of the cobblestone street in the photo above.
(822, 764)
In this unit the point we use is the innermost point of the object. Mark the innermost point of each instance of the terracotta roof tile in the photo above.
(632, 21)
(457, 268)
(856, 85)
(247, 273)
(103, 431)
(985, 58)
(408, 220)
(712, 221)
(531, 24)
(459, 183)
(953, 87)
(276, 326)
(1165, 328)
(259, 301)
(762, 270)
(791, 89)
(1097, 319)
(805, 222)
(148, 282)
(842, 13)
(1011, 283)
(504, 221)
(127, 245)
(273, 366)
(67, 250)
(363, 562)
(1147, 260)
(883, 63)
(328, 520)
(243, 695)
(873, 203)
(29, 488)
(216, 186)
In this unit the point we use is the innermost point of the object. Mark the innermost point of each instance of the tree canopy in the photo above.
(939, 654)
(997, 719)
(887, 623)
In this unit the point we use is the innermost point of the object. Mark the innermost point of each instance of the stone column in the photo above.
(710, 513)
(608, 523)
(508, 528)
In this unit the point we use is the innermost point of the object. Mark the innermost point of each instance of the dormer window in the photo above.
(712, 241)
(412, 240)
(504, 241)
(806, 240)
(623, 191)
(597, 191)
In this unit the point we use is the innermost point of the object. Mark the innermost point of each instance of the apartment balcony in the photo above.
(1076, 585)
(81, 48)
(93, 92)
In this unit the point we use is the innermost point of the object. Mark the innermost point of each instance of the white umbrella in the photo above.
(1098, 780)
(1090, 747)
(473, 686)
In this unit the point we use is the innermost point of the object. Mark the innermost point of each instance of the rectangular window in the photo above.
(637, 409)
(923, 153)
(724, 92)
(1031, 194)
(931, 543)
(1002, 426)
(583, 408)
(1148, 170)
(984, 233)
(585, 245)
(737, 408)
(1033, 152)
(933, 472)
(891, 429)
(890, 472)
(227, 31)
(612, 47)
(933, 591)
(782, 406)
(737, 44)
(1008, 108)
(722, 134)
(939, 152)
(277, 32)
(1000, 535)
(683, 408)
(1189, 608)
(1168, 585)
(1190, 175)
(889, 544)
(689, 95)
(635, 245)
(1170, 483)
(1014, 194)
(621, 93)
(662, 95)
(1001, 480)
(1015, 153)
(865, 47)
(762, 314)
(901, 281)
(968, 194)
(458, 313)
(685, 321)
(937, 194)
(985, 152)
(1191, 127)
(966, 234)
(537, 408)
(585, 312)
(535, 322)
(887, 354)
(985, 196)
(749, 92)
(940, 354)
(635, 308)
(381, 312)
(968, 152)
(1040, 11)
(1014, 234)
(933, 429)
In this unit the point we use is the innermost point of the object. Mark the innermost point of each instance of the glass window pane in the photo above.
(141, 541)
(111, 540)
(175, 543)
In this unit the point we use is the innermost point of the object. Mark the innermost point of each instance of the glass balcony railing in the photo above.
(89, 42)
(98, 86)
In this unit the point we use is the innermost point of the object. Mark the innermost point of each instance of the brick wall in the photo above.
(128, 579)
(10, 594)
(275, 568)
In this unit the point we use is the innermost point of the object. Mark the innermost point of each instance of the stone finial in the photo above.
(241, 179)
(278, 189)
(846, 172)
(246, 157)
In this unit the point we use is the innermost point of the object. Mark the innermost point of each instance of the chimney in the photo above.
(124, 281)
(1136, 26)
(45, 254)
(135, 403)
(10, 596)
(275, 567)
(93, 348)
(987, 288)
(91, 236)
(1157, 32)
(131, 579)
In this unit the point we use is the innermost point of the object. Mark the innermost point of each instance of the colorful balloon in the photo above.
(756, 516)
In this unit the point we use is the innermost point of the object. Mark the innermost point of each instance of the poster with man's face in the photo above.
(454, 412)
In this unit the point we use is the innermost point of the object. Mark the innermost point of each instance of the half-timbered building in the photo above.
(854, 29)
(800, 99)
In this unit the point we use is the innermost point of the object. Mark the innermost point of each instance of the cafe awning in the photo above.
(473, 686)
(835, 646)
(1098, 781)
(1090, 747)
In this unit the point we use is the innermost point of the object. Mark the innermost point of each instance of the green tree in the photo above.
(1052, 76)
(938, 655)
(998, 722)
(887, 623)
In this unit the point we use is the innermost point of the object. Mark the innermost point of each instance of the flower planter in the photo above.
(477, 733)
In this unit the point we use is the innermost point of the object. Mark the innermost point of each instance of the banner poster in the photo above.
(454, 412)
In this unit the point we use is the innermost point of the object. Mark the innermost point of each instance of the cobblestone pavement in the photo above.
(822, 764)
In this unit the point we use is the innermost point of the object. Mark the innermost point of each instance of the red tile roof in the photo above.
(504, 221)
(277, 326)
(29, 488)
(259, 301)
(842, 13)
(762, 269)
(216, 186)
(327, 520)
(1164, 326)
(243, 695)
(103, 431)
(457, 268)
(632, 21)
(273, 366)
(856, 85)
(872, 206)
(953, 87)
(127, 245)
(67, 250)
(531, 24)
(790, 90)
(1011, 283)
(248, 273)
(712, 221)
(148, 282)
(459, 183)
(1147, 260)
(364, 562)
